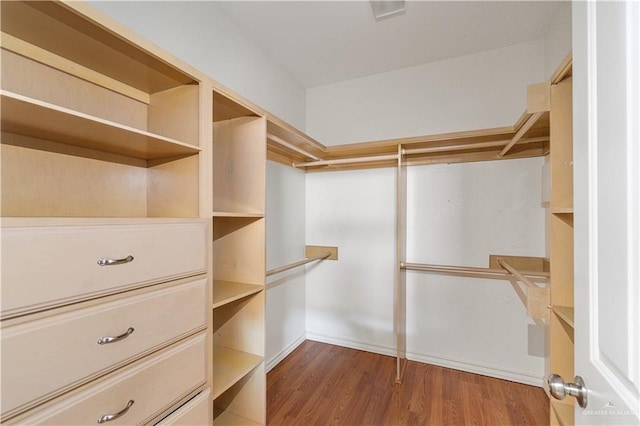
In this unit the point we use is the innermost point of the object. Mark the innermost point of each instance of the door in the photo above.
(606, 50)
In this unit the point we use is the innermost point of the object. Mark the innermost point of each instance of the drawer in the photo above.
(44, 267)
(153, 384)
(45, 357)
(193, 413)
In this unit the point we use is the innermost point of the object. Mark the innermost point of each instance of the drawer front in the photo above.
(153, 384)
(45, 357)
(193, 413)
(50, 266)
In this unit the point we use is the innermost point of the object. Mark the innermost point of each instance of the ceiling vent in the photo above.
(386, 9)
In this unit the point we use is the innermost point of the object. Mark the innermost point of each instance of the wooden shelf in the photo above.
(66, 29)
(38, 119)
(230, 419)
(230, 366)
(562, 210)
(565, 313)
(238, 214)
(564, 412)
(227, 291)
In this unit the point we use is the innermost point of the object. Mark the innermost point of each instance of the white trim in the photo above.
(284, 353)
(484, 370)
(352, 344)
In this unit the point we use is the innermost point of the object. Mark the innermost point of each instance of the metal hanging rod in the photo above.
(298, 263)
(524, 129)
(513, 271)
(347, 160)
(461, 147)
(489, 272)
(292, 147)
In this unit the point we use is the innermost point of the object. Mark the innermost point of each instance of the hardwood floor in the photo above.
(321, 384)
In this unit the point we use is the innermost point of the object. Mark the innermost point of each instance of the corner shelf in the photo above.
(230, 366)
(70, 127)
(565, 313)
(228, 291)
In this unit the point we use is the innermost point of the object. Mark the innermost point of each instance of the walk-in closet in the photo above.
(266, 213)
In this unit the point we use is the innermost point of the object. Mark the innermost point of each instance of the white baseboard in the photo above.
(484, 370)
(347, 343)
(284, 353)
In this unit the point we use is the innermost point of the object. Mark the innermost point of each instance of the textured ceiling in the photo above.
(322, 42)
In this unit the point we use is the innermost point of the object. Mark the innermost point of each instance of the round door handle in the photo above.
(559, 389)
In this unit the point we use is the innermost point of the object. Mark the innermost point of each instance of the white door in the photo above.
(606, 51)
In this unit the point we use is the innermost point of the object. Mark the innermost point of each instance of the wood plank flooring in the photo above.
(321, 384)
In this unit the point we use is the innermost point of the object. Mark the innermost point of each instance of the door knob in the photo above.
(559, 389)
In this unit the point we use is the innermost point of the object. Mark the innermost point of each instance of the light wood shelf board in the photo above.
(75, 128)
(230, 366)
(290, 134)
(79, 33)
(19, 222)
(230, 419)
(562, 210)
(238, 214)
(228, 291)
(564, 70)
(52, 60)
(225, 108)
(564, 412)
(565, 313)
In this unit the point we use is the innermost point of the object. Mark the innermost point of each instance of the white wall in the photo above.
(350, 301)
(557, 40)
(482, 90)
(202, 35)
(286, 322)
(460, 214)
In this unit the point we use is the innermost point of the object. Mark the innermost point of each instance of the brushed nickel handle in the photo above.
(109, 417)
(104, 261)
(112, 339)
(559, 389)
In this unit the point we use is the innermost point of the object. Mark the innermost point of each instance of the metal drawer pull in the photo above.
(110, 339)
(109, 417)
(103, 261)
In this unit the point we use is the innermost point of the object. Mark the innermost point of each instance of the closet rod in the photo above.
(524, 129)
(298, 263)
(513, 271)
(498, 273)
(348, 160)
(461, 147)
(292, 147)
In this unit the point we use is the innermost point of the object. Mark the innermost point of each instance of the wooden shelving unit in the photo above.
(239, 263)
(103, 134)
(561, 327)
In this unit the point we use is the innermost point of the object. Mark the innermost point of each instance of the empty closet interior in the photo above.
(193, 239)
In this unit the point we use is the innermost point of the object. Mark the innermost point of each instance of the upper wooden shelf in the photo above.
(38, 119)
(527, 137)
(63, 29)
